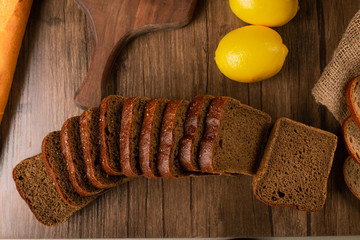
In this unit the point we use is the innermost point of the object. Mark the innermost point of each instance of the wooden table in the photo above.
(177, 64)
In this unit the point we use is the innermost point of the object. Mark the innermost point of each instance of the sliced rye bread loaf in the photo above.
(172, 130)
(351, 134)
(56, 166)
(150, 135)
(36, 187)
(72, 149)
(351, 170)
(194, 128)
(352, 97)
(90, 141)
(109, 130)
(295, 167)
(131, 122)
(234, 138)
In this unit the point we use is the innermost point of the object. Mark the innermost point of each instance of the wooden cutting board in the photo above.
(114, 23)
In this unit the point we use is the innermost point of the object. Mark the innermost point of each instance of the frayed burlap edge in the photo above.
(343, 67)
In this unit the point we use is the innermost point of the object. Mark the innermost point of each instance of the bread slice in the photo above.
(150, 135)
(172, 130)
(56, 165)
(351, 134)
(352, 97)
(90, 141)
(295, 167)
(351, 170)
(109, 130)
(194, 127)
(131, 122)
(36, 187)
(74, 156)
(234, 137)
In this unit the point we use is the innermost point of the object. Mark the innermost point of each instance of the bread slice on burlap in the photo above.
(351, 170)
(109, 130)
(194, 128)
(36, 187)
(351, 134)
(150, 136)
(72, 149)
(352, 97)
(234, 138)
(295, 167)
(172, 130)
(131, 122)
(90, 141)
(56, 165)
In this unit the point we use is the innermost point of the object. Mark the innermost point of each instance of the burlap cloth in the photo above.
(344, 66)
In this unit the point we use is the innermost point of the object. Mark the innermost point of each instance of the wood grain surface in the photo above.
(116, 22)
(54, 60)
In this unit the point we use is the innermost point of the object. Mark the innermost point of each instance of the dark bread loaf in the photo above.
(234, 137)
(194, 127)
(109, 130)
(295, 167)
(150, 135)
(90, 141)
(351, 134)
(72, 149)
(351, 170)
(56, 166)
(352, 97)
(172, 130)
(131, 122)
(36, 187)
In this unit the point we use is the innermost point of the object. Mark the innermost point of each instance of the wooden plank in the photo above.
(339, 216)
(177, 64)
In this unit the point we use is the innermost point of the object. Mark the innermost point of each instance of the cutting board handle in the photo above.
(92, 89)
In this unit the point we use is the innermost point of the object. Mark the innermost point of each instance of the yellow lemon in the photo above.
(272, 13)
(251, 54)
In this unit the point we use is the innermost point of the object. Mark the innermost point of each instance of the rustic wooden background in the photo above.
(177, 64)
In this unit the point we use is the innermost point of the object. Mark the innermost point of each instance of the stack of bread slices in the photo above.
(125, 138)
(351, 132)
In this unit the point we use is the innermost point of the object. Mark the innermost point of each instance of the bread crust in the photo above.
(212, 128)
(346, 179)
(67, 150)
(125, 138)
(351, 102)
(166, 139)
(145, 138)
(264, 166)
(51, 172)
(104, 147)
(88, 150)
(190, 129)
(40, 157)
(348, 147)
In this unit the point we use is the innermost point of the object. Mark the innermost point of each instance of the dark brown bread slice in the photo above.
(131, 122)
(56, 165)
(90, 141)
(36, 187)
(172, 130)
(109, 129)
(351, 170)
(72, 149)
(352, 97)
(295, 167)
(234, 137)
(193, 131)
(150, 135)
(351, 134)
